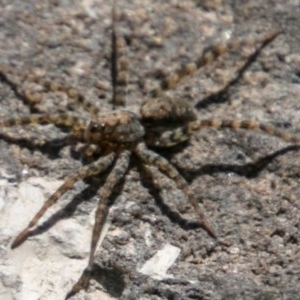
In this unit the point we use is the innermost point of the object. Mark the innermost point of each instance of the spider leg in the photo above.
(180, 134)
(223, 93)
(34, 98)
(71, 92)
(59, 119)
(77, 125)
(209, 54)
(86, 171)
(152, 158)
(243, 124)
(119, 63)
(112, 180)
(40, 142)
(26, 96)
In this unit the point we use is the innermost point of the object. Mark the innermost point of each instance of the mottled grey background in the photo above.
(255, 210)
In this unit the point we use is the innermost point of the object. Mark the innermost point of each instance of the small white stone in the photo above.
(158, 265)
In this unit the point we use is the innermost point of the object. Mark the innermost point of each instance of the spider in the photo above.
(112, 140)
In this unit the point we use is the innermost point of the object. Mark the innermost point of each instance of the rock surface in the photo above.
(255, 209)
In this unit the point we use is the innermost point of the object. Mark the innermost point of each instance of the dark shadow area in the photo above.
(175, 149)
(170, 288)
(111, 279)
(250, 170)
(154, 190)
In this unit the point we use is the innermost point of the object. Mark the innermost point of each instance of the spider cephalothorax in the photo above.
(116, 127)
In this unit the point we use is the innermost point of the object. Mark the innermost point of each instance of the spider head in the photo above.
(115, 127)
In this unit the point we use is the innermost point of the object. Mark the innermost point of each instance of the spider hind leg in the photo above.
(151, 158)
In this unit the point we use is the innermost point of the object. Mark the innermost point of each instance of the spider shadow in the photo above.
(111, 279)
(223, 95)
(86, 195)
(67, 211)
(249, 170)
(165, 209)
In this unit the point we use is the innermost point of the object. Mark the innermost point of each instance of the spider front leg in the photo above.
(86, 171)
(116, 175)
(151, 158)
(61, 119)
(76, 124)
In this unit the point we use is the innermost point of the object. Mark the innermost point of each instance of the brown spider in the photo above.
(114, 139)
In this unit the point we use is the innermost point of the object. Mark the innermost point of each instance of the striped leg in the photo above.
(86, 171)
(180, 134)
(223, 93)
(209, 55)
(116, 175)
(59, 119)
(77, 124)
(71, 92)
(32, 99)
(151, 158)
(118, 63)
(26, 96)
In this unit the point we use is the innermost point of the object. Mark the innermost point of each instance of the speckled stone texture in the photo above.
(255, 210)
